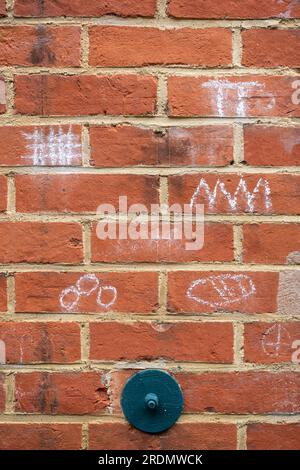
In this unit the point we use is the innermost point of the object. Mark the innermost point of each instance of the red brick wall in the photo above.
(160, 101)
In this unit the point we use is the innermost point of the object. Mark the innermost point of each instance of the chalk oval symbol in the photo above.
(69, 298)
(221, 290)
(113, 292)
(87, 284)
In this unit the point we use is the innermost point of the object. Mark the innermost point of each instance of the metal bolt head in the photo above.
(151, 401)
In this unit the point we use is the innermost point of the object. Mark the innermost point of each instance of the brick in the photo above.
(182, 436)
(2, 7)
(3, 193)
(83, 193)
(232, 193)
(268, 343)
(193, 342)
(263, 243)
(58, 95)
(124, 145)
(2, 392)
(112, 46)
(3, 293)
(33, 436)
(82, 8)
(263, 436)
(37, 242)
(41, 145)
(242, 96)
(2, 96)
(241, 392)
(272, 145)
(28, 343)
(218, 246)
(214, 291)
(50, 292)
(271, 48)
(228, 392)
(40, 45)
(252, 9)
(75, 393)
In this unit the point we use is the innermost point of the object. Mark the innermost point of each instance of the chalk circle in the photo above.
(87, 284)
(99, 297)
(71, 303)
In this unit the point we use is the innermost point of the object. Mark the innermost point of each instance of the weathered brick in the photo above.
(3, 293)
(137, 46)
(3, 193)
(66, 393)
(228, 392)
(210, 342)
(271, 48)
(218, 246)
(267, 343)
(182, 436)
(83, 193)
(271, 243)
(207, 292)
(82, 8)
(28, 343)
(223, 9)
(40, 45)
(41, 145)
(123, 145)
(232, 193)
(242, 96)
(62, 292)
(272, 145)
(2, 7)
(263, 436)
(58, 95)
(38, 242)
(33, 436)
(242, 392)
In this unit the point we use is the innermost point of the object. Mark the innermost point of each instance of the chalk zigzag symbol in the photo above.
(230, 288)
(242, 188)
(84, 287)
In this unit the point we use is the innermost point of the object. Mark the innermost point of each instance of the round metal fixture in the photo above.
(152, 401)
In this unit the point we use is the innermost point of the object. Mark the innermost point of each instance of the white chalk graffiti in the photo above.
(289, 9)
(242, 91)
(221, 290)
(296, 354)
(2, 352)
(84, 287)
(275, 339)
(262, 187)
(53, 148)
(296, 93)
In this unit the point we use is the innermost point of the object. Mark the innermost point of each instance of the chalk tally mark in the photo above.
(262, 188)
(275, 339)
(221, 290)
(84, 287)
(55, 147)
(242, 90)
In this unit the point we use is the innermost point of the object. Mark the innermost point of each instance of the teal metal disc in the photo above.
(152, 401)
